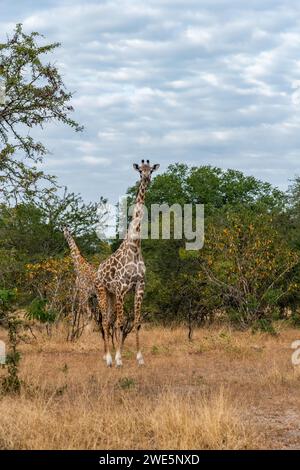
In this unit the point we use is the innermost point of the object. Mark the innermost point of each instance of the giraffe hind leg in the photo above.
(103, 304)
(139, 293)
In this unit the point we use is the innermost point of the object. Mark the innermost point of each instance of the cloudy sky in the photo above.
(197, 81)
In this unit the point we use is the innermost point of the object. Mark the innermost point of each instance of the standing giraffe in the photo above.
(85, 278)
(124, 271)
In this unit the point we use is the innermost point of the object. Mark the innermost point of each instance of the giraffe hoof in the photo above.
(119, 362)
(108, 360)
(118, 359)
(140, 359)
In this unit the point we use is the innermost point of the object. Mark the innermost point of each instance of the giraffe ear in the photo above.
(155, 167)
(136, 167)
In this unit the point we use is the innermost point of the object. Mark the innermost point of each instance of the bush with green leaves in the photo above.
(11, 382)
(37, 310)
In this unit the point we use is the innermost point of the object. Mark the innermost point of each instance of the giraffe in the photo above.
(85, 278)
(124, 271)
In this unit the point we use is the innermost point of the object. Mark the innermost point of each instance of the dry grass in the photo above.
(225, 390)
(122, 420)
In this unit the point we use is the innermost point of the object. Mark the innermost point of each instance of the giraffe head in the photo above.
(145, 169)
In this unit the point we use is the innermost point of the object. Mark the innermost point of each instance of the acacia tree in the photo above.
(34, 95)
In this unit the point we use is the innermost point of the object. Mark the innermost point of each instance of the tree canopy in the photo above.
(34, 96)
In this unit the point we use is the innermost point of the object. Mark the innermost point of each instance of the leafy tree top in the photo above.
(35, 95)
(212, 186)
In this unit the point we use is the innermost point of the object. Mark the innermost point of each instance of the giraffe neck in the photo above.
(75, 253)
(134, 229)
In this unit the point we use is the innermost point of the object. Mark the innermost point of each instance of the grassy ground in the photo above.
(224, 390)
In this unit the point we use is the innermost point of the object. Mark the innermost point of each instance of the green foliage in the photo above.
(126, 383)
(214, 187)
(11, 382)
(246, 263)
(264, 325)
(7, 297)
(294, 320)
(246, 266)
(35, 230)
(37, 310)
(32, 234)
(35, 95)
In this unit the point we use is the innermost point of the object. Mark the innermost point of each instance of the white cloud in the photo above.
(110, 134)
(199, 36)
(95, 161)
(215, 81)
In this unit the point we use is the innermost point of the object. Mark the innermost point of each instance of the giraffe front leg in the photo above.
(102, 299)
(107, 355)
(119, 326)
(139, 293)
